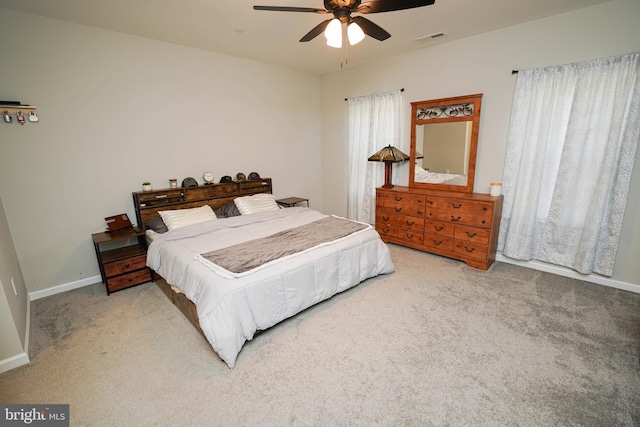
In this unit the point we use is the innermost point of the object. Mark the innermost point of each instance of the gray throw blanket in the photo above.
(246, 256)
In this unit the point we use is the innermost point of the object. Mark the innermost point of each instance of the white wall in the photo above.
(14, 305)
(483, 64)
(116, 110)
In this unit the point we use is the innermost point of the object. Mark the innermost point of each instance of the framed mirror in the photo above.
(444, 141)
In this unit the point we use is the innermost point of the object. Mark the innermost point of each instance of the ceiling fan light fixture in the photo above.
(354, 33)
(333, 33)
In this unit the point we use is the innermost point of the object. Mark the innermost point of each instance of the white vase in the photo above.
(146, 187)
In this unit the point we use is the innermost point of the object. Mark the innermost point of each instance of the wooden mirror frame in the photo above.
(446, 110)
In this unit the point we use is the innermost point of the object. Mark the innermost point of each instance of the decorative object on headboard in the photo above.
(388, 155)
(189, 182)
(240, 177)
(207, 177)
(225, 179)
(253, 176)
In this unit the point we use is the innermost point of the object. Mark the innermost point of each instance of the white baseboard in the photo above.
(64, 287)
(14, 362)
(567, 272)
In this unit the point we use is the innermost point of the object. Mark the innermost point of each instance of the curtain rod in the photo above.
(401, 90)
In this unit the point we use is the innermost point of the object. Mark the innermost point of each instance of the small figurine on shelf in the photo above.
(146, 186)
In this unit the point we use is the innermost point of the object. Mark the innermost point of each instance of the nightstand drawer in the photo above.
(131, 279)
(125, 265)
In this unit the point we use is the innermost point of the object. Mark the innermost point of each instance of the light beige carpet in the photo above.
(435, 343)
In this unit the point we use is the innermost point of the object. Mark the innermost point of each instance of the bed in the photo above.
(224, 275)
(423, 175)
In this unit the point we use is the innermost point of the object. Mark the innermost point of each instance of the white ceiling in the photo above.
(234, 28)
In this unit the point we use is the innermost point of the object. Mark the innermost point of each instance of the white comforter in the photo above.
(231, 310)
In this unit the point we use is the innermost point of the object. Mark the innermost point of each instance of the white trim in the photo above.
(64, 287)
(28, 327)
(566, 272)
(13, 362)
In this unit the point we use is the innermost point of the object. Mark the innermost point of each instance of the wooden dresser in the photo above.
(463, 226)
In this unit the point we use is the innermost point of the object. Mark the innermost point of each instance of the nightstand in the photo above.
(292, 201)
(122, 258)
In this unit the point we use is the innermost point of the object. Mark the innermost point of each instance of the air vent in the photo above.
(431, 36)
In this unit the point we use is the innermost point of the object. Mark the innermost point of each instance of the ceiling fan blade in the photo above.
(317, 30)
(290, 9)
(371, 29)
(378, 6)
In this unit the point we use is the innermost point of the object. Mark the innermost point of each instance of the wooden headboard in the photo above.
(148, 203)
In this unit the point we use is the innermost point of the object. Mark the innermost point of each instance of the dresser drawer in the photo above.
(386, 231)
(438, 242)
(439, 228)
(405, 204)
(471, 234)
(125, 265)
(470, 249)
(410, 236)
(409, 223)
(130, 279)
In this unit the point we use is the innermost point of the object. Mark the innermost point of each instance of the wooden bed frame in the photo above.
(147, 204)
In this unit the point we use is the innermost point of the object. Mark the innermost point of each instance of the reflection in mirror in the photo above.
(444, 139)
(444, 149)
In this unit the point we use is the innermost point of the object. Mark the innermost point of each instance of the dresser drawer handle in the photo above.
(458, 206)
(453, 218)
(386, 218)
(385, 230)
(484, 221)
(398, 198)
(469, 250)
(409, 236)
(162, 196)
(430, 202)
(410, 223)
(127, 265)
(437, 243)
(397, 209)
(419, 213)
(484, 209)
(130, 279)
(471, 234)
(438, 228)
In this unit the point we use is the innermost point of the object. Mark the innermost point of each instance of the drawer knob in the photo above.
(410, 223)
(419, 213)
(438, 228)
(386, 218)
(453, 218)
(471, 234)
(437, 243)
(409, 236)
(458, 206)
(398, 198)
(484, 221)
(469, 249)
(126, 265)
(130, 279)
(484, 209)
(398, 209)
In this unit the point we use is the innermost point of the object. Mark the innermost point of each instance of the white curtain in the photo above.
(375, 121)
(572, 141)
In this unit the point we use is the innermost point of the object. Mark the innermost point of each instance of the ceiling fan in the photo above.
(342, 10)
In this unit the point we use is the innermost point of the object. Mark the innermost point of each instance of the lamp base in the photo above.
(387, 175)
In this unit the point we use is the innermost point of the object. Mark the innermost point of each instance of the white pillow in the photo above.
(262, 202)
(183, 217)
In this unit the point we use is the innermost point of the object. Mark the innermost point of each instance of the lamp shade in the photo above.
(354, 33)
(333, 33)
(388, 155)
